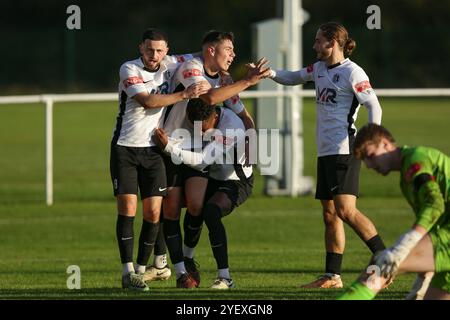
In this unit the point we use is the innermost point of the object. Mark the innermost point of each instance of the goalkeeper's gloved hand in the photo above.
(390, 259)
(388, 262)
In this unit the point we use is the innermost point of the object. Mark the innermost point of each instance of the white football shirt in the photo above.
(227, 148)
(135, 124)
(188, 73)
(340, 89)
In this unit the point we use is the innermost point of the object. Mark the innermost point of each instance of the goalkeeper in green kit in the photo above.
(425, 183)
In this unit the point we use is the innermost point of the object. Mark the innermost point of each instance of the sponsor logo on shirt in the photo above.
(362, 86)
(326, 95)
(131, 81)
(191, 73)
(412, 170)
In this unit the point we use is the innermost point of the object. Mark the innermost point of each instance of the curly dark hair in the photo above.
(198, 110)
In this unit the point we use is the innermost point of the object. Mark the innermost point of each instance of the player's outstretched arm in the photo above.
(148, 100)
(287, 78)
(255, 73)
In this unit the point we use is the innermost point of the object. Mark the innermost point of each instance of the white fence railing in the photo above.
(50, 99)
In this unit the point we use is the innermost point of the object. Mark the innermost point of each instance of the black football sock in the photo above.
(333, 263)
(147, 240)
(125, 237)
(160, 245)
(192, 226)
(217, 234)
(172, 234)
(375, 244)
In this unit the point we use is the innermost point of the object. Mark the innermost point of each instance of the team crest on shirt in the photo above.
(336, 77)
(412, 170)
(310, 68)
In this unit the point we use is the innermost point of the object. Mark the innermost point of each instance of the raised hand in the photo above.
(257, 71)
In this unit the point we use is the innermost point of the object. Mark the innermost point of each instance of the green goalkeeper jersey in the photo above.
(425, 183)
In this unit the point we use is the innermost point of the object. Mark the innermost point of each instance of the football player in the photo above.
(425, 183)
(188, 183)
(341, 86)
(230, 182)
(136, 163)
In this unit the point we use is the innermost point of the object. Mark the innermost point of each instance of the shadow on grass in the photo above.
(179, 294)
(286, 270)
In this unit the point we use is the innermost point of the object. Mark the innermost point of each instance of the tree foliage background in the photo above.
(39, 54)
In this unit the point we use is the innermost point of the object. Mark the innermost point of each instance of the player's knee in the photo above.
(171, 211)
(330, 218)
(152, 214)
(195, 208)
(126, 208)
(345, 213)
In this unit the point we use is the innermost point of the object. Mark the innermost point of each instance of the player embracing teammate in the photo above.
(191, 183)
(138, 165)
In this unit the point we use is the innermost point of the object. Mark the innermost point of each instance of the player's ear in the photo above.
(212, 50)
(331, 44)
(384, 143)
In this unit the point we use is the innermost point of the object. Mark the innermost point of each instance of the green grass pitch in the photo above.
(275, 244)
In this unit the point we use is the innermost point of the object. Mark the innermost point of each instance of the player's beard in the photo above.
(153, 65)
(320, 56)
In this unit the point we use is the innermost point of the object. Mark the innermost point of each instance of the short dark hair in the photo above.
(214, 36)
(370, 134)
(198, 110)
(155, 34)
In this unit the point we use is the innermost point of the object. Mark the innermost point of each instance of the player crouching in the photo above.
(229, 184)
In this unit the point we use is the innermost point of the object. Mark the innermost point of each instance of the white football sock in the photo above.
(140, 269)
(188, 252)
(179, 269)
(224, 273)
(128, 268)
